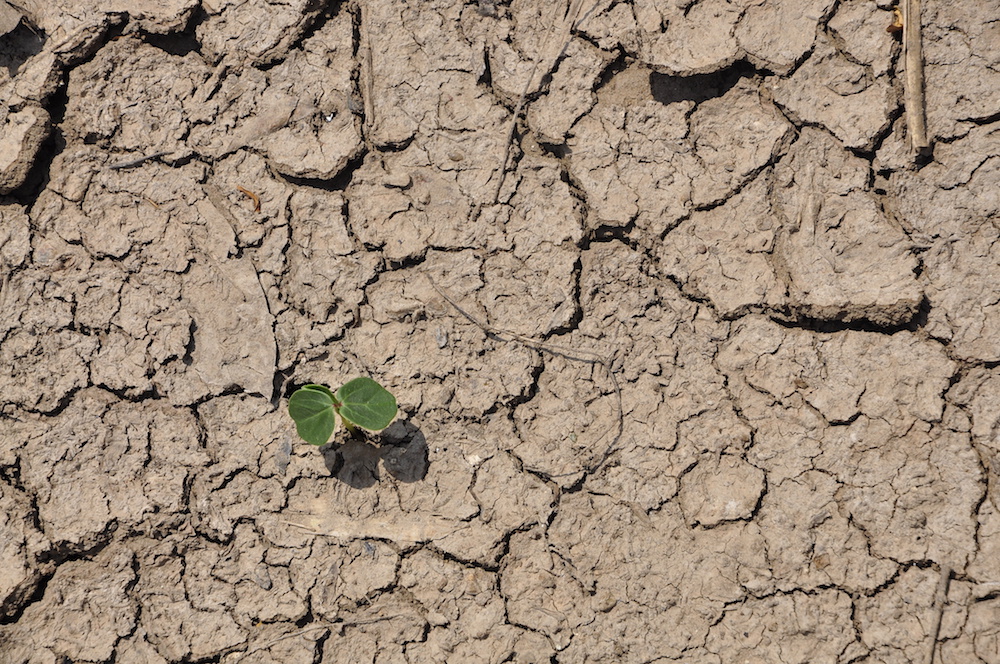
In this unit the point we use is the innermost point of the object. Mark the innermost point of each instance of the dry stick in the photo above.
(913, 84)
(132, 163)
(285, 637)
(809, 212)
(561, 36)
(559, 351)
(366, 78)
(313, 628)
(939, 598)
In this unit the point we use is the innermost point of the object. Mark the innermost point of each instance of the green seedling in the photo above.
(360, 403)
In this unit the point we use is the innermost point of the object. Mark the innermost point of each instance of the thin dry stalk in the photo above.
(138, 161)
(940, 595)
(366, 77)
(559, 351)
(285, 637)
(560, 34)
(811, 204)
(317, 627)
(913, 84)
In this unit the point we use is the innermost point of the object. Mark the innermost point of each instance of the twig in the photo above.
(561, 30)
(253, 197)
(366, 77)
(811, 204)
(285, 637)
(311, 531)
(132, 163)
(322, 625)
(211, 86)
(913, 84)
(559, 351)
(939, 598)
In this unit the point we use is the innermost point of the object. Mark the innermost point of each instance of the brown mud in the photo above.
(707, 373)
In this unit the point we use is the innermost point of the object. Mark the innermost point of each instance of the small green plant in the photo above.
(360, 403)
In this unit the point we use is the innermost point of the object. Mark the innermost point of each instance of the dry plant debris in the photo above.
(695, 361)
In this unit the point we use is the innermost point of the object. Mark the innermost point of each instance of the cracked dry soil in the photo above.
(772, 425)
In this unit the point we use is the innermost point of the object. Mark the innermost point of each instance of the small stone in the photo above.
(441, 337)
(262, 577)
(397, 180)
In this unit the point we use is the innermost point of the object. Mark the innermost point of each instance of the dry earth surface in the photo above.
(769, 418)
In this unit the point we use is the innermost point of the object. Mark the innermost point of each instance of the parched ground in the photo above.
(709, 373)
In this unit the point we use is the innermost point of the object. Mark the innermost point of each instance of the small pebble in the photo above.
(283, 455)
(397, 180)
(441, 337)
(262, 577)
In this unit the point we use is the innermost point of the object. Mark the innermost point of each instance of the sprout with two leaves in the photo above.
(360, 403)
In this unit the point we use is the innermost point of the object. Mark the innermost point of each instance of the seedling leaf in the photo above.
(321, 388)
(312, 410)
(366, 403)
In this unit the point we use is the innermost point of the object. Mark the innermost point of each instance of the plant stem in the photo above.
(347, 423)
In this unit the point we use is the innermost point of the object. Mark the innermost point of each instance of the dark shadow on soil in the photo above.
(402, 448)
(18, 45)
(825, 326)
(177, 43)
(698, 88)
